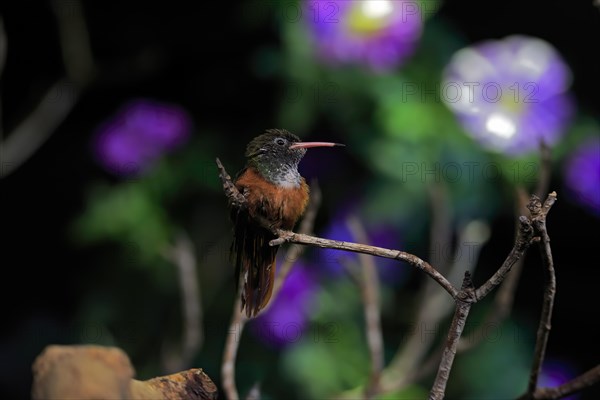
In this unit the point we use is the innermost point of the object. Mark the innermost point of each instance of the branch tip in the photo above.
(467, 281)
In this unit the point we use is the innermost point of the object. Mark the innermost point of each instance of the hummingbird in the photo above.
(276, 193)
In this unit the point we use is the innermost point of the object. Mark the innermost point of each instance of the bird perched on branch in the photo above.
(276, 196)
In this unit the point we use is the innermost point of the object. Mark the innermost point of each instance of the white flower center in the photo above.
(377, 8)
(501, 126)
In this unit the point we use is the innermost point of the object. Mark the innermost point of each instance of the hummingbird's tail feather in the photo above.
(254, 262)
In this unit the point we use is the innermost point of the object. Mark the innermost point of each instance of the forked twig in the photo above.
(505, 296)
(464, 301)
(539, 212)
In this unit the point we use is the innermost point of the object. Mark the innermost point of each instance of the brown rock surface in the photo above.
(96, 372)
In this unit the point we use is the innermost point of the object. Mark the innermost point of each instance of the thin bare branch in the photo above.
(61, 97)
(538, 212)
(370, 293)
(75, 42)
(522, 243)
(585, 380)
(440, 232)
(182, 254)
(34, 130)
(232, 342)
(411, 259)
(351, 268)
(464, 300)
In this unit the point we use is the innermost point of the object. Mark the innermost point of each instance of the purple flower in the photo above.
(378, 33)
(582, 175)
(390, 271)
(286, 319)
(140, 132)
(510, 94)
(555, 373)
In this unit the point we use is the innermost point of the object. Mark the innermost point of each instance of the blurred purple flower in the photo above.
(390, 271)
(285, 321)
(582, 175)
(378, 33)
(140, 132)
(555, 373)
(510, 94)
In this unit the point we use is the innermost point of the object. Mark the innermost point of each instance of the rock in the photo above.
(96, 372)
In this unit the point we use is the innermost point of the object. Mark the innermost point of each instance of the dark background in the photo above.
(201, 56)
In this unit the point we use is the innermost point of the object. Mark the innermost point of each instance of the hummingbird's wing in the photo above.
(253, 258)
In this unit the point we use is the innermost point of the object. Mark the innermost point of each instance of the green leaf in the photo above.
(412, 392)
(503, 348)
(126, 213)
(330, 363)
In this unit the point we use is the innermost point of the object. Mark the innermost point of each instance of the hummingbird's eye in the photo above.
(280, 141)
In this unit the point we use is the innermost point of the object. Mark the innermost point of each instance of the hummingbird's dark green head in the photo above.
(274, 146)
(276, 154)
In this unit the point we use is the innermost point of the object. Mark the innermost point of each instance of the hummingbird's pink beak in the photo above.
(306, 145)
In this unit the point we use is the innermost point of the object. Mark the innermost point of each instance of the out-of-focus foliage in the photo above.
(503, 348)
